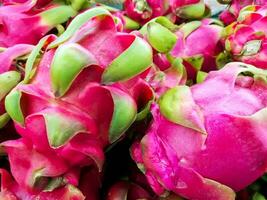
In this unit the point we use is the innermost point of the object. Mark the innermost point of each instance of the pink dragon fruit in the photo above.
(9, 75)
(63, 110)
(145, 10)
(245, 40)
(230, 15)
(204, 36)
(19, 23)
(39, 3)
(206, 142)
(172, 46)
(46, 176)
(189, 9)
(10, 190)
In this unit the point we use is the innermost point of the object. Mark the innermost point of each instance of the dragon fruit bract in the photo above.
(205, 141)
(189, 9)
(9, 75)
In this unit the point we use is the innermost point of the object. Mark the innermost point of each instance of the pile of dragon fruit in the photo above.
(133, 100)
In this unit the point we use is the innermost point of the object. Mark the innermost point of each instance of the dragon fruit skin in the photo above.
(74, 116)
(245, 40)
(201, 153)
(21, 25)
(144, 10)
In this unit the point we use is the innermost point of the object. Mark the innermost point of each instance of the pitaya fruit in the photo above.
(230, 15)
(206, 142)
(70, 104)
(39, 3)
(35, 171)
(20, 23)
(189, 9)
(204, 36)
(245, 40)
(10, 190)
(46, 176)
(174, 46)
(9, 74)
(144, 10)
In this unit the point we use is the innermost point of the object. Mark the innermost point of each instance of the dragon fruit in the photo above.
(205, 37)
(144, 10)
(189, 9)
(70, 106)
(46, 176)
(245, 40)
(10, 190)
(230, 15)
(9, 75)
(20, 23)
(206, 142)
(39, 3)
(172, 46)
